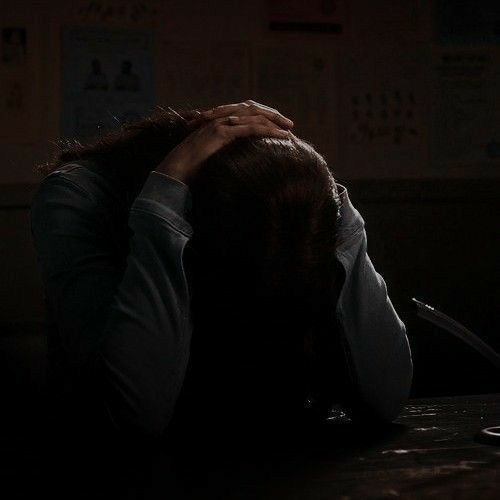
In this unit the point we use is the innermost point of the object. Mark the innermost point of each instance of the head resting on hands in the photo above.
(264, 215)
(266, 209)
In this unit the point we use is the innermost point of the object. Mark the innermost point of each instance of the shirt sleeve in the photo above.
(373, 337)
(126, 333)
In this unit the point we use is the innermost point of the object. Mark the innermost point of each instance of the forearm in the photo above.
(374, 337)
(120, 333)
(141, 361)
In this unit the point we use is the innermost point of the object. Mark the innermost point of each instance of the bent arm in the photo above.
(125, 334)
(376, 348)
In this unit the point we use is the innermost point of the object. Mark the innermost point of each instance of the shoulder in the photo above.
(83, 182)
(76, 201)
(71, 194)
(87, 177)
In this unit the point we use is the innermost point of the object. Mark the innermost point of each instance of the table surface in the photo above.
(429, 452)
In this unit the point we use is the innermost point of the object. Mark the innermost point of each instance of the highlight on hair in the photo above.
(129, 151)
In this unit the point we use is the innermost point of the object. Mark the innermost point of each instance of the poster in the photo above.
(13, 46)
(382, 104)
(107, 78)
(466, 108)
(17, 85)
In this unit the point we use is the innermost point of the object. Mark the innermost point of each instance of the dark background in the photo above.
(431, 219)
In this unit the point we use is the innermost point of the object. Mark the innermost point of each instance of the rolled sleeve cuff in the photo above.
(168, 198)
(350, 220)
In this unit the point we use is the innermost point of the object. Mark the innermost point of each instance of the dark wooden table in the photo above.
(429, 452)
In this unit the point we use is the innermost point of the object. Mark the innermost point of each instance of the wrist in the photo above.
(172, 171)
(170, 176)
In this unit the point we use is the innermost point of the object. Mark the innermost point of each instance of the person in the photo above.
(205, 267)
(14, 46)
(96, 80)
(127, 79)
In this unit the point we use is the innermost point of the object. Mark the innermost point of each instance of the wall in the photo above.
(208, 53)
(428, 196)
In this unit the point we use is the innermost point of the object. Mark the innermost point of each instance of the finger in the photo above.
(245, 104)
(245, 119)
(203, 117)
(248, 109)
(261, 105)
(252, 107)
(241, 120)
(254, 129)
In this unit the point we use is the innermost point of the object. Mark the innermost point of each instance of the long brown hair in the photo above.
(264, 218)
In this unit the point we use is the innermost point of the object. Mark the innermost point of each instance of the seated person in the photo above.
(205, 266)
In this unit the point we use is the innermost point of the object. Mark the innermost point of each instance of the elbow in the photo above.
(397, 379)
(383, 409)
(397, 386)
(133, 405)
(109, 415)
(382, 403)
(391, 407)
(146, 425)
(149, 425)
(134, 413)
(149, 430)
